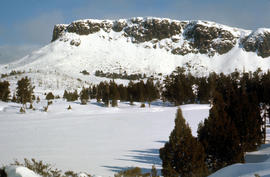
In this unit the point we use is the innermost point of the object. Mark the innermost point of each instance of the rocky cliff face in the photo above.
(258, 41)
(181, 37)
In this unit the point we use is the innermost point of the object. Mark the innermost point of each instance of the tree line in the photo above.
(236, 124)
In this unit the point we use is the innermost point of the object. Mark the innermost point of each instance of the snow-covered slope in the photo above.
(145, 45)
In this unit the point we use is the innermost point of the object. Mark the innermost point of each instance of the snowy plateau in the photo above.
(102, 141)
(148, 46)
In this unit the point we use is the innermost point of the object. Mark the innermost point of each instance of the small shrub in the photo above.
(45, 108)
(57, 97)
(38, 99)
(39, 167)
(69, 107)
(84, 72)
(142, 105)
(44, 169)
(50, 102)
(22, 110)
(31, 106)
(132, 172)
(50, 96)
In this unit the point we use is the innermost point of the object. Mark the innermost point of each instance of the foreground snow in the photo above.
(257, 162)
(91, 138)
(17, 171)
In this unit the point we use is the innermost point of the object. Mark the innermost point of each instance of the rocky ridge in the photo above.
(177, 37)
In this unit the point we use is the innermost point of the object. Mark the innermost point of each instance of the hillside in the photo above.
(148, 46)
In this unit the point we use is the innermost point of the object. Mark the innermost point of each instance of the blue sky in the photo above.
(27, 24)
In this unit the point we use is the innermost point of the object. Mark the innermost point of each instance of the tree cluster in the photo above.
(111, 92)
(120, 75)
(235, 124)
(71, 96)
(181, 87)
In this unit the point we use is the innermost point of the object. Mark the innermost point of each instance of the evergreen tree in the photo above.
(93, 93)
(84, 96)
(100, 90)
(183, 155)
(114, 93)
(24, 90)
(123, 92)
(65, 95)
(50, 96)
(4, 91)
(131, 92)
(203, 90)
(106, 94)
(141, 91)
(219, 137)
(152, 92)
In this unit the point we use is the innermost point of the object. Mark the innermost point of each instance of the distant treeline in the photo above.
(120, 75)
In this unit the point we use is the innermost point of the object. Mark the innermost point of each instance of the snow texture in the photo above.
(91, 138)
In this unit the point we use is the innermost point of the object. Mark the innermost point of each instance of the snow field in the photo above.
(91, 138)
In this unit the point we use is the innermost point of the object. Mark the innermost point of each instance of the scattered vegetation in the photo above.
(45, 170)
(71, 96)
(120, 75)
(137, 172)
(84, 72)
(12, 73)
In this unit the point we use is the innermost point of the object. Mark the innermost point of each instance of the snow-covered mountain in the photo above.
(144, 45)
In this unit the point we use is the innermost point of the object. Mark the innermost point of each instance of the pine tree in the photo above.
(123, 92)
(106, 94)
(4, 91)
(131, 94)
(114, 93)
(65, 95)
(24, 90)
(50, 96)
(141, 91)
(152, 92)
(84, 96)
(183, 155)
(219, 137)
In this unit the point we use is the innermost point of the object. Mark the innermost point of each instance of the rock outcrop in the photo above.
(184, 36)
(258, 41)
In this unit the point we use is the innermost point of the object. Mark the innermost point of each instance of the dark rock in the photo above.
(58, 31)
(205, 38)
(83, 28)
(259, 43)
(180, 51)
(118, 26)
(148, 29)
(75, 42)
